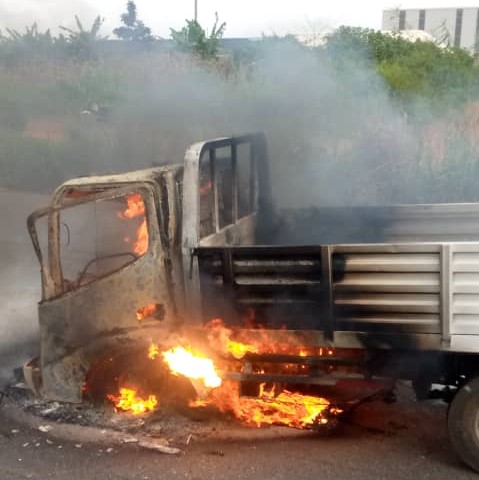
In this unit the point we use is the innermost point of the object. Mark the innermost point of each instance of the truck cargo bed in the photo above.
(415, 296)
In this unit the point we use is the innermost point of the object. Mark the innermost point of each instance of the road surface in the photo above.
(398, 441)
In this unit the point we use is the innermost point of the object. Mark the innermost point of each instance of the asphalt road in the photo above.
(403, 440)
(19, 281)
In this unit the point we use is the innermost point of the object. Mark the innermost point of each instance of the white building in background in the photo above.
(457, 27)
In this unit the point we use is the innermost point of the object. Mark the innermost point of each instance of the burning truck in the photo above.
(189, 271)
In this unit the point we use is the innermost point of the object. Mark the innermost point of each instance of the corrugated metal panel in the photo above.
(387, 262)
(466, 283)
(384, 291)
(465, 289)
(407, 303)
(429, 320)
(378, 288)
(442, 222)
(399, 224)
(389, 282)
(281, 285)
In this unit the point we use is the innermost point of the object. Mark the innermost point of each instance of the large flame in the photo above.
(287, 408)
(272, 406)
(182, 361)
(128, 401)
(136, 208)
(259, 340)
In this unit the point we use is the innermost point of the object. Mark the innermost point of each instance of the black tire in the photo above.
(463, 424)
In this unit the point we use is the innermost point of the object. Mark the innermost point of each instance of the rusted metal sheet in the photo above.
(81, 327)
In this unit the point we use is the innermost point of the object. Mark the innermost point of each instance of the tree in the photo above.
(133, 29)
(16, 45)
(82, 42)
(193, 38)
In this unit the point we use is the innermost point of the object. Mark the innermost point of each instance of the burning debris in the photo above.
(272, 408)
(128, 401)
(287, 409)
(207, 365)
(272, 405)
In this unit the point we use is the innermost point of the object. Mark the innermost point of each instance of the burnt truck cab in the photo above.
(130, 257)
(116, 256)
(96, 279)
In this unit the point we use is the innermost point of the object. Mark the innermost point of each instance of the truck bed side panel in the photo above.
(380, 292)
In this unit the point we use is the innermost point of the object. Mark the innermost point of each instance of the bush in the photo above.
(193, 38)
(410, 69)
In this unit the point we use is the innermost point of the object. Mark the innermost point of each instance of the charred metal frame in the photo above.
(52, 276)
(331, 271)
(79, 327)
(260, 187)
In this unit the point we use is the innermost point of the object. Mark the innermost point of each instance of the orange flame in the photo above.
(136, 208)
(270, 407)
(146, 311)
(153, 351)
(287, 408)
(220, 338)
(184, 362)
(239, 350)
(128, 401)
(140, 246)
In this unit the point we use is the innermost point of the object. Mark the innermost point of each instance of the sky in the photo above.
(244, 18)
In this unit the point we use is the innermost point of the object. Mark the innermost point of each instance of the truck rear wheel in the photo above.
(463, 424)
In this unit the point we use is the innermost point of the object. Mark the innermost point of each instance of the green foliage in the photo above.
(94, 85)
(133, 29)
(32, 44)
(31, 37)
(247, 54)
(81, 43)
(193, 38)
(410, 69)
(17, 46)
